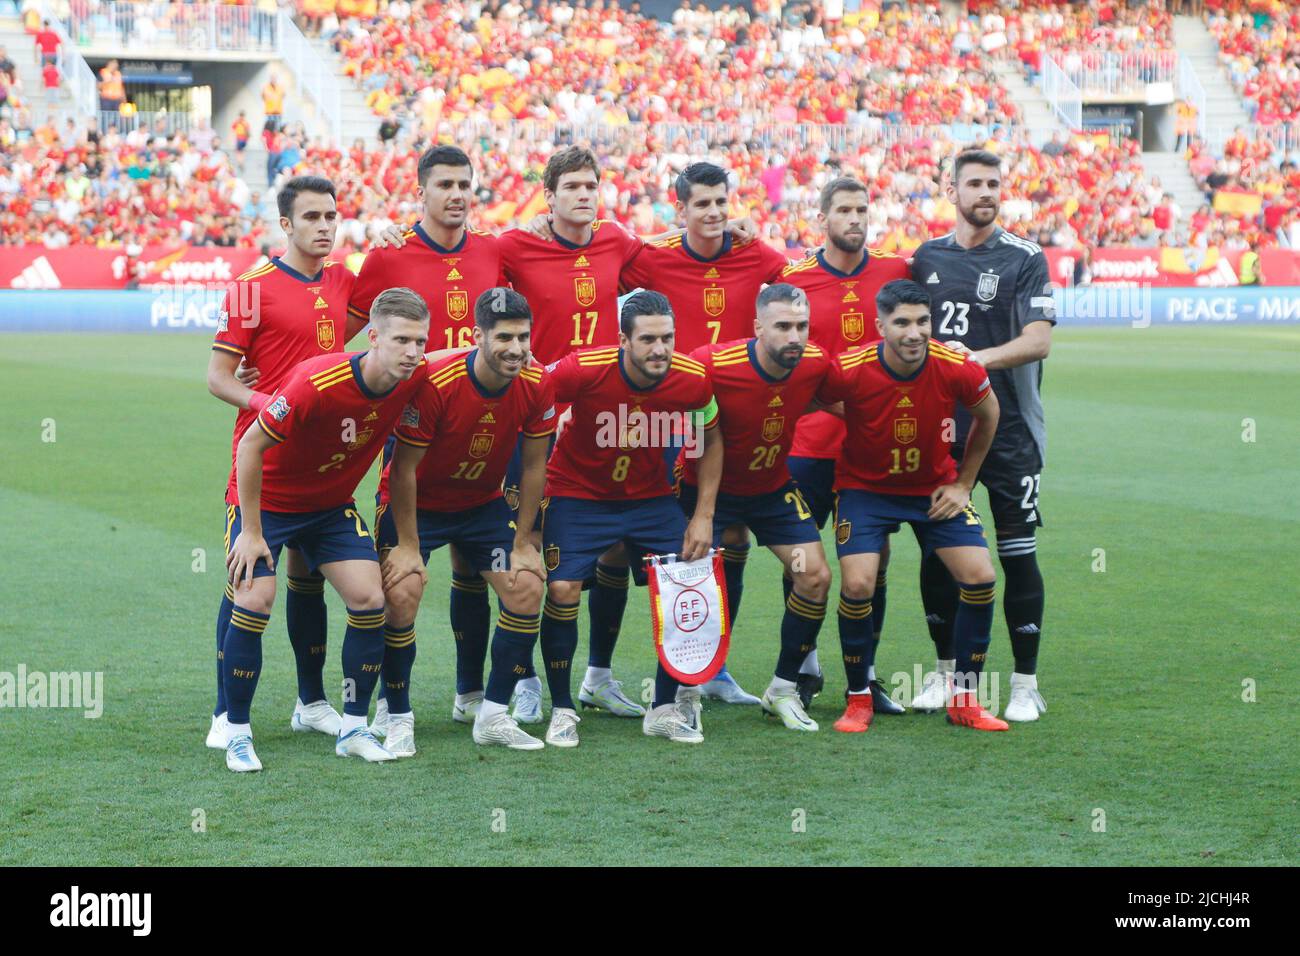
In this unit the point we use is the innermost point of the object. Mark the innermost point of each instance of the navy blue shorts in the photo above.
(777, 517)
(338, 534)
(816, 480)
(577, 531)
(865, 520)
(515, 472)
(484, 535)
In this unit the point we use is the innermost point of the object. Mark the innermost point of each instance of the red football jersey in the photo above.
(328, 428)
(712, 299)
(612, 450)
(900, 432)
(276, 318)
(757, 414)
(449, 280)
(475, 431)
(843, 310)
(572, 290)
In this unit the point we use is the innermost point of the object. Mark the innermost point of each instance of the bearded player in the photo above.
(469, 411)
(899, 399)
(606, 485)
(297, 472)
(841, 281)
(275, 316)
(762, 385)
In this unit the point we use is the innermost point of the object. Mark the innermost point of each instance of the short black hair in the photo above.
(706, 174)
(645, 302)
(840, 184)
(781, 292)
(441, 156)
(500, 304)
(974, 157)
(900, 292)
(301, 184)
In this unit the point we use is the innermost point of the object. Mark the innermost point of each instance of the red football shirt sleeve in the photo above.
(566, 377)
(771, 262)
(837, 384)
(290, 406)
(509, 249)
(369, 283)
(419, 420)
(637, 270)
(972, 383)
(541, 422)
(236, 324)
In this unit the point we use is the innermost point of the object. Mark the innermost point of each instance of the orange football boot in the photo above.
(857, 715)
(965, 711)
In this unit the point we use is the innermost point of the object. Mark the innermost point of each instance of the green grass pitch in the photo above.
(1144, 665)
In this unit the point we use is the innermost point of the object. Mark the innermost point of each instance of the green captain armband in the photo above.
(702, 416)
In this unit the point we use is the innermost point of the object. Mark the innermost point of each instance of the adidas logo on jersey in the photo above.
(454, 275)
(487, 419)
(371, 417)
(712, 273)
(933, 280)
(581, 263)
(850, 296)
(775, 402)
(904, 402)
(321, 303)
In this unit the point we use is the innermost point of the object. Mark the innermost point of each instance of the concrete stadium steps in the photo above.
(358, 120)
(1037, 114)
(1224, 108)
(22, 50)
(1176, 178)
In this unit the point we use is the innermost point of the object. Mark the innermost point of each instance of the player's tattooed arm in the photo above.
(230, 381)
(1032, 345)
(404, 559)
(249, 547)
(947, 501)
(699, 532)
(524, 555)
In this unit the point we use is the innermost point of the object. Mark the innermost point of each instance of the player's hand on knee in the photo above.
(401, 563)
(948, 501)
(244, 555)
(526, 559)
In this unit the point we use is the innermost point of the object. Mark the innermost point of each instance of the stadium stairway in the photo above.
(1224, 109)
(1176, 178)
(22, 50)
(359, 121)
(1038, 115)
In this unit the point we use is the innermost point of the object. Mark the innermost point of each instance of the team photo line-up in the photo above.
(511, 395)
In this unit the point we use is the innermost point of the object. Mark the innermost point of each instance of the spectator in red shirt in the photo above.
(47, 44)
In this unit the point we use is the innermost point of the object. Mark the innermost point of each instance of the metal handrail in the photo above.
(77, 75)
(1062, 93)
(315, 77)
(189, 26)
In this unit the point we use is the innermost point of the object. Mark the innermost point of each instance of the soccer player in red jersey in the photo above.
(473, 407)
(606, 484)
(297, 472)
(762, 386)
(710, 278)
(900, 397)
(444, 260)
(841, 281)
(275, 316)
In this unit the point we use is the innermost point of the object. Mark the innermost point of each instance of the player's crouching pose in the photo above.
(762, 386)
(297, 473)
(473, 408)
(606, 484)
(900, 397)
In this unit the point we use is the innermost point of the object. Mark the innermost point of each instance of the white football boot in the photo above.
(218, 736)
(676, 721)
(785, 704)
(400, 741)
(563, 731)
(502, 731)
(465, 707)
(318, 716)
(608, 695)
(360, 742)
(934, 688)
(1025, 703)
(380, 726)
(240, 756)
(723, 687)
(528, 701)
